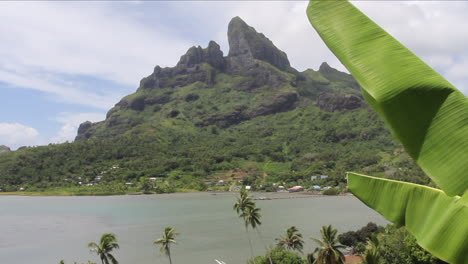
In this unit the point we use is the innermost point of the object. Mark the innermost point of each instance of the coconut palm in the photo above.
(292, 240)
(372, 255)
(244, 201)
(166, 241)
(251, 217)
(107, 243)
(310, 258)
(329, 250)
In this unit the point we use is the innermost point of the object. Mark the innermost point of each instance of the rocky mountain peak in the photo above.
(4, 149)
(245, 41)
(325, 68)
(196, 55)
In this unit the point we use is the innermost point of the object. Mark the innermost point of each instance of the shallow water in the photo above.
(44, 230)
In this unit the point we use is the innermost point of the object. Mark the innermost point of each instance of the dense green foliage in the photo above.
(278, 256)
(274, 125)
(358, 239)
(289, 146)
(397, 245)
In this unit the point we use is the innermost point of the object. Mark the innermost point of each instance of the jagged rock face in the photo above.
(336, 102)
(196, 55)
(84, 130)
(279, 103)
(205, 88)
(188, 70)
(4, 149)
(325, 68)
(245, 44)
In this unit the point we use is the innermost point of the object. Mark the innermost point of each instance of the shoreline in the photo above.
(260, 196)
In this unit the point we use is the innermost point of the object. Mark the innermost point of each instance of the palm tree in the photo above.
(251, 217)
(106, 245)
(372, 255)
(292, 240)
(310, 258)
(166, 241)
(329, 250)
(244, 203)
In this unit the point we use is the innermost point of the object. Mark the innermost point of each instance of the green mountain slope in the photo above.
(216, 117)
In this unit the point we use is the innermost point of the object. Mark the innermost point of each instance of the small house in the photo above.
(323, 176)
(248, 187)
(314, 177)
(315, 187)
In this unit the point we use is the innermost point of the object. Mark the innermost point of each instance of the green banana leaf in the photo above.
(424, 112)
(438, 221)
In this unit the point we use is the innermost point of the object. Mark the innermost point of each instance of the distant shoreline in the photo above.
(257, 195)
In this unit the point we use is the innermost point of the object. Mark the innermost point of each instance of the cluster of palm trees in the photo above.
(328, 251)
(109, 242)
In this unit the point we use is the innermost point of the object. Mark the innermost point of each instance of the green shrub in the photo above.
(332, 191)
(278, 256)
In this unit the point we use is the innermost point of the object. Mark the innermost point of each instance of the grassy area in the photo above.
(65, 193)
(77, 191)
(85, 191)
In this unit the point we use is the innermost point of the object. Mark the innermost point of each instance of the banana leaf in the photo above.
(423, 110)
(427, 114)
(437, 221)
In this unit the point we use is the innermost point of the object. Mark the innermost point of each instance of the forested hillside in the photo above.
(247, 115)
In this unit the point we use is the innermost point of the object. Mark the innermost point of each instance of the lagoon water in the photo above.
(44, 230)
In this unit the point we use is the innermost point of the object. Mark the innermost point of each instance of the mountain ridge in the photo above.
(252, 56)
(212, 117)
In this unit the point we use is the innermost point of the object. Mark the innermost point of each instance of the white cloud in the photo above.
(15, 135)
(61, 90)
(84, 39)
(70, 123)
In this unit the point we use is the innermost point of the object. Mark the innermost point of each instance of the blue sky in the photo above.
(63, 63)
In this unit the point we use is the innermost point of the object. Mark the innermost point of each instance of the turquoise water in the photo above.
(44, 230)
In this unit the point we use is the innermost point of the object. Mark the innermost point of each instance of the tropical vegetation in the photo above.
(292, 240)
(166, 241)
(426, 113)
(103, 249)
(329, 248)
(236, 126)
